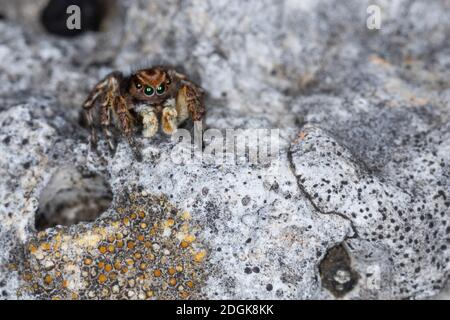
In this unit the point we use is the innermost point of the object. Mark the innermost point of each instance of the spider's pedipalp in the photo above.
(169, 120)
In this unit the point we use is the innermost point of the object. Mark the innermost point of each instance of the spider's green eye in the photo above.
(160, 89)
(149, 91)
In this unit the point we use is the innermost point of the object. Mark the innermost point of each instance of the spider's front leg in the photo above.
(190, 102)
(126, 124)
(105, 91)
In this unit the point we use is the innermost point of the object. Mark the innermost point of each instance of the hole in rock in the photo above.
(70, 18)
(71, 197)
(336, 271)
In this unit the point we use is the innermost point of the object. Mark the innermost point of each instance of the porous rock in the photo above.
(358, 206)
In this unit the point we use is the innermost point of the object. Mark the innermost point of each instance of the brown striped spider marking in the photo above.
(139, 100)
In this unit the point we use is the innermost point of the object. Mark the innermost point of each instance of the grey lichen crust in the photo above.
(359, 207)
(385, 211)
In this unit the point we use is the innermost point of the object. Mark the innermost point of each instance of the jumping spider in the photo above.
(139, 100)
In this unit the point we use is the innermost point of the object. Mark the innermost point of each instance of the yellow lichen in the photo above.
(102, 278)
(199, 256)
(90, 262)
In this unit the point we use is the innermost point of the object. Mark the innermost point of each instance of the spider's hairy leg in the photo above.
(190, 104)
(90, 121)
(107, 105)
(89, 105)
(105, 121)
(126, 124)
(103, 91)
(181, 105)
(193, 100)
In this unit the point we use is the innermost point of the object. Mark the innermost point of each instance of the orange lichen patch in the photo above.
(46, 246)
(189, 238)
(147, 244)
(143, 266)
(154, 265)
(157, 273)
(117, 265)
(48, 279)
(170, 222)
(130, 245)
(27, 276)
(172, 271)
(184, 244)
(199, 256)
(190, 284)
(108, 267)
(143, 225)
(102, 278)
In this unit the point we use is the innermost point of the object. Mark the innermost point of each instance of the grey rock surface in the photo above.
(359, 207)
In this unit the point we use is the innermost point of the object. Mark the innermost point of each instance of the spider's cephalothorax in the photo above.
(141, 99)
